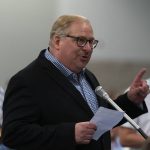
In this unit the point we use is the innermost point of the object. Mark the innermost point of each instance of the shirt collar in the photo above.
(67, 72)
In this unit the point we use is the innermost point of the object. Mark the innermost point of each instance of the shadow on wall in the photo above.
(115, 77)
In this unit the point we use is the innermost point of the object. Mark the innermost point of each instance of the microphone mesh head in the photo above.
(101, 92)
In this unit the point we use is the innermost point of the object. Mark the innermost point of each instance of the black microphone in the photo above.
(101, 92)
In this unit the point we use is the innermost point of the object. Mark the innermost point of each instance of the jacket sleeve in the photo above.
(131, 109)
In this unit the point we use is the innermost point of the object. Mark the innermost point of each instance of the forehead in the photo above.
(81, 28)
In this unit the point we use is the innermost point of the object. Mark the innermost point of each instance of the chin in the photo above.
(83, 66)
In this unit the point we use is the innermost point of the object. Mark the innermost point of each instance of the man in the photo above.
(146, 145)
(48, 104)
(1, 104)
(2, 92)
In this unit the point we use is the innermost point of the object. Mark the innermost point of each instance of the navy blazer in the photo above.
(41, 108)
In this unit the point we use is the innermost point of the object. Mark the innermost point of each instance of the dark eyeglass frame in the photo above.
(82, 41)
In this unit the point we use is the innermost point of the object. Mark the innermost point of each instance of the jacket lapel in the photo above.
(64, 83)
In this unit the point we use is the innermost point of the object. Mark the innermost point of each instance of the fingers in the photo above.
(143, 90)
(145, 87)
(139, 88)
(138, 92)
(87, 139)
(140, 75)
(84, 132)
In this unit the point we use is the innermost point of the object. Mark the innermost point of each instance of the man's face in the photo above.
(69, 53)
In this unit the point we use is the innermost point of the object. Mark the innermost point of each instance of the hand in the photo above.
(84, 132)
(139, 88)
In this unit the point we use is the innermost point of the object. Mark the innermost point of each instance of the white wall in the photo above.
(122, 25)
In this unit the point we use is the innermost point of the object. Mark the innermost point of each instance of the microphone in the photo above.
(101, 92)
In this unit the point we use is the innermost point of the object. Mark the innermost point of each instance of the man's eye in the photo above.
(91, 41)
(81, 40)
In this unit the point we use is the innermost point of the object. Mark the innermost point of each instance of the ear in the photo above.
(56, 41)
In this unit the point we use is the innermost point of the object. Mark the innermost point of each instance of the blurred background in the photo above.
(121, 26)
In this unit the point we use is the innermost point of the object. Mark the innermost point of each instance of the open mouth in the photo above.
(85, 57)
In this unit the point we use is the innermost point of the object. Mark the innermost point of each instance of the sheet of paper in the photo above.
(105, 119)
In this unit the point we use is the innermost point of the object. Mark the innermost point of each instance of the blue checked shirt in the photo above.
(79, 81)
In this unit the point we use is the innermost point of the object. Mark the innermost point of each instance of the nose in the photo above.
(88, 46)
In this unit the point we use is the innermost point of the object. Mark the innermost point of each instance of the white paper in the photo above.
(105, 119)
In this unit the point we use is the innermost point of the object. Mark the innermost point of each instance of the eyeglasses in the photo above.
(82, 41)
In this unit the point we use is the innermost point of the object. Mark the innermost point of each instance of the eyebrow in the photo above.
(91, 38)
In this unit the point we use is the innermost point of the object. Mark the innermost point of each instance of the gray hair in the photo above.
(61, 25)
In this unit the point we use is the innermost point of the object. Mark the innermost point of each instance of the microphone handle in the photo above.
(99, 91)
(131, 121)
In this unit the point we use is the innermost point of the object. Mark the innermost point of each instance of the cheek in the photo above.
(70, 51)
(72, 55)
